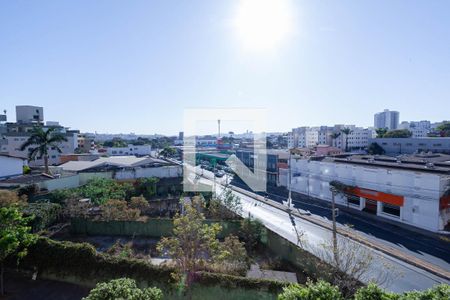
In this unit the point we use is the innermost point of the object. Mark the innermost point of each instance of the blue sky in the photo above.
(134, 66)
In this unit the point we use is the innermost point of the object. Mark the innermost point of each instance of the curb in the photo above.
(382, 248)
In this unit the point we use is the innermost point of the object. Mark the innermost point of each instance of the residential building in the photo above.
(122, 168)
(411, 190)
(18, 133)
(395, 146)
(387, 119)
(14, 140)
(136, 150)
(206, 141)
(29, 114)
(303, 137)
(275, 160)
(10, 166)
(85, 143)
(417, 128)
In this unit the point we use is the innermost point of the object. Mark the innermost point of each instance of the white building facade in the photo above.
(14, 141)
(10, 166)
(387, 119)
(136, 150)
(413, 197)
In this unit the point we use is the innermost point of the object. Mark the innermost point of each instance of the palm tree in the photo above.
(43, 140)
(346, 131)
(334, 136)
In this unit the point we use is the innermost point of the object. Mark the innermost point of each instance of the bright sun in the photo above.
(262, 24)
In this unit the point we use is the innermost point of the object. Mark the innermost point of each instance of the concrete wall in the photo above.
(10, 166)
(66, 182)
(160, 172)
(85, 177)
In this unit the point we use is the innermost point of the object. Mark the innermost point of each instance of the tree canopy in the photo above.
(15, 236)
(400, 133)
(123, 288)
(43, 140)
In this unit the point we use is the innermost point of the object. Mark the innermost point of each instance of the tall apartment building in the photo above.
(387, 119)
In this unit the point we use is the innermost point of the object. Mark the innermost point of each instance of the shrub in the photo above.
(29, 190)
(251, 232)
(60, 196)
(320, 290)
(99, 190)
(438, 292)
(123, 288)
(117, 210)
(9, 198)
(45, 214)
(373, 292)
(139, 203)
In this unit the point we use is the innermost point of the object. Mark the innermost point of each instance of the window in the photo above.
(351, 199)
(390, 209)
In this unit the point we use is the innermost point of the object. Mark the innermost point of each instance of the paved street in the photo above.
(403, 275)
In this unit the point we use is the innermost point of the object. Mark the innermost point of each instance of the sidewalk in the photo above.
(352, 235)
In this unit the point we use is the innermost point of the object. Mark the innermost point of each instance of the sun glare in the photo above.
(263, 24)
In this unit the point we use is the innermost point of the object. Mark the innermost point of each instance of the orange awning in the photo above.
(378, 196)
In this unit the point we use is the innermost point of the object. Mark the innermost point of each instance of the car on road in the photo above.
(219, 173)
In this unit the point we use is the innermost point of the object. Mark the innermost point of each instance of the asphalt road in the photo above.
(430, 247)
(402, 276)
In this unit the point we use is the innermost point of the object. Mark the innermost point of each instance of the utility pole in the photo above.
(333, 214)
(289, 200)
(218, 124)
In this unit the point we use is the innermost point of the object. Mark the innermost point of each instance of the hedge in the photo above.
(80, 260)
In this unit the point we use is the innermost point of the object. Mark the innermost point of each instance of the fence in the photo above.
(152, 228)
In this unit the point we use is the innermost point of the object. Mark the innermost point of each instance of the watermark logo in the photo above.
(252, 169)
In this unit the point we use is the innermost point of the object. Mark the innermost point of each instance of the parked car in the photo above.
(219, 173)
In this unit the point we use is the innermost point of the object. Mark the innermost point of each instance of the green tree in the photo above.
(373, 292)
(320, 290)
(346, 132)
(400, 133)
(43, 140)
(232, 256)
(15, 236)
(375, 149)
(168, 152)
(381, 132)
(444, 129)
(99, 190)
(123, 288)
(334, 136)
(227, 206)
(147, 186)
(250, 232)
(193, 244)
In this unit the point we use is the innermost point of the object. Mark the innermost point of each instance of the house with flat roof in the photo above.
(411, 189)
(10, 166)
